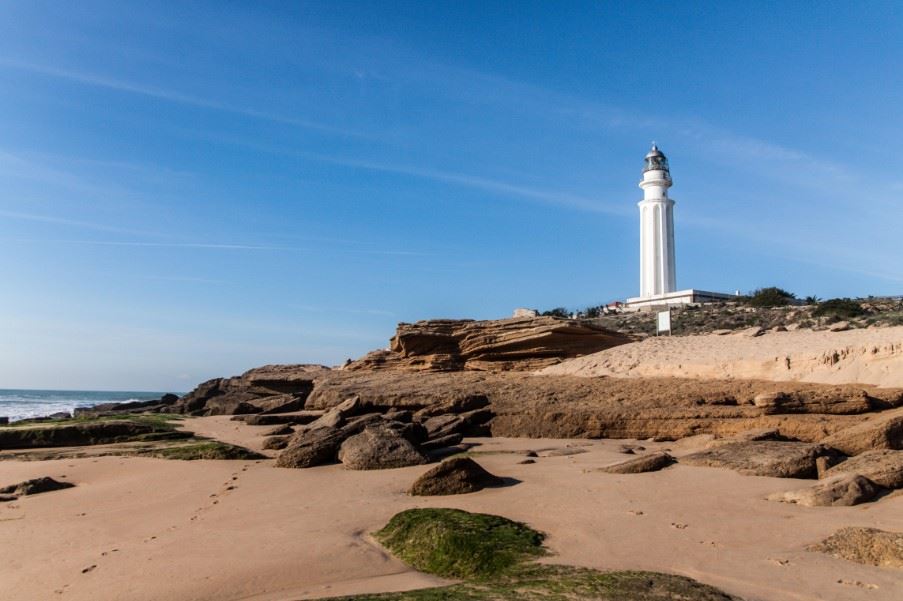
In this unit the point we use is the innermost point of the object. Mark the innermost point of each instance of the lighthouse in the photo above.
(658, 275)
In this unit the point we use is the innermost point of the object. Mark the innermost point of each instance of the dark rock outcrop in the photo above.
(379, 447)
(75, 434)
(869, 546)
(454, 476)
(645, 463)
(34, 487)
(526, 343)
(267, 389)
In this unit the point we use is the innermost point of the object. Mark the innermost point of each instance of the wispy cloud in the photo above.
(231, 247)
(120, 85)
(71, 223)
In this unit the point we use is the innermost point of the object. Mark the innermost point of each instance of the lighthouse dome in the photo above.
(655, 160)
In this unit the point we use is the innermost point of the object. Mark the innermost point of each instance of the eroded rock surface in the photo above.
(839, 491)
(525, 343)
(864, 545)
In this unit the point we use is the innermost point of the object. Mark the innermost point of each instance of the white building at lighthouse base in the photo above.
(679, 297)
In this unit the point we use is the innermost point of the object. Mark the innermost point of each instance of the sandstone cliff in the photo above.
(499, 345)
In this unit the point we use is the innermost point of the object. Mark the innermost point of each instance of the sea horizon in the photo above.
(25, 403)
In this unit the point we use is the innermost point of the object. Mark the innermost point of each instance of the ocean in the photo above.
(23, 404)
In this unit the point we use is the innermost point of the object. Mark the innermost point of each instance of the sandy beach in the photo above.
(204, 530)
(862, 356)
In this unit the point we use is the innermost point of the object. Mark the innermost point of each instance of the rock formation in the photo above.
(267, 389)
(454, 476)
(525, 343)
(379, 446)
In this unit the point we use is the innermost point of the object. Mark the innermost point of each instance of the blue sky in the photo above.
(188, 190)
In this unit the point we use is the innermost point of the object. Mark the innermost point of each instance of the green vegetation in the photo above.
(458, 544)
(159, 421)
(564, 583)
(202, 449)
(492, 554)
(557, 312)
(839, 308)
(770, 297)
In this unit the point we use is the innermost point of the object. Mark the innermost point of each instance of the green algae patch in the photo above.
(203, 449)
(494, 558)
(458, 544)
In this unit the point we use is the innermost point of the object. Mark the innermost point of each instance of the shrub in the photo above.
(557, 312)
(841, 308)
(771, 297)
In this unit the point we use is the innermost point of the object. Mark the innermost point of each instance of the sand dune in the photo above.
(873, 356)
(156, 529)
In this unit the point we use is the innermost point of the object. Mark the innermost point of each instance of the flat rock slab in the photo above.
(864, 545)
(844, 490)
(454, 476)
(652, 462)
(762, 458)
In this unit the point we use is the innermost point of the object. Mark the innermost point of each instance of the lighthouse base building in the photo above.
(658, 274)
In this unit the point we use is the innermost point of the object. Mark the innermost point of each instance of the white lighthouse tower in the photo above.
(657, 272)
(658, 276)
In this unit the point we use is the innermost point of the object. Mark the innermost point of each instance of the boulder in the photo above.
(316, 447)
(524, 343)
(839, 326)
(379, 447)
(34, 487)
(839, 491)
(882, 431)
(763, 458)
(869, 546)
(644, 463)
(882, 467)
(454, 476)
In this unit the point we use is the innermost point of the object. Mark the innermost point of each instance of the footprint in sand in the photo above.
(864, 585)
(780, 562)
(678, 525)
